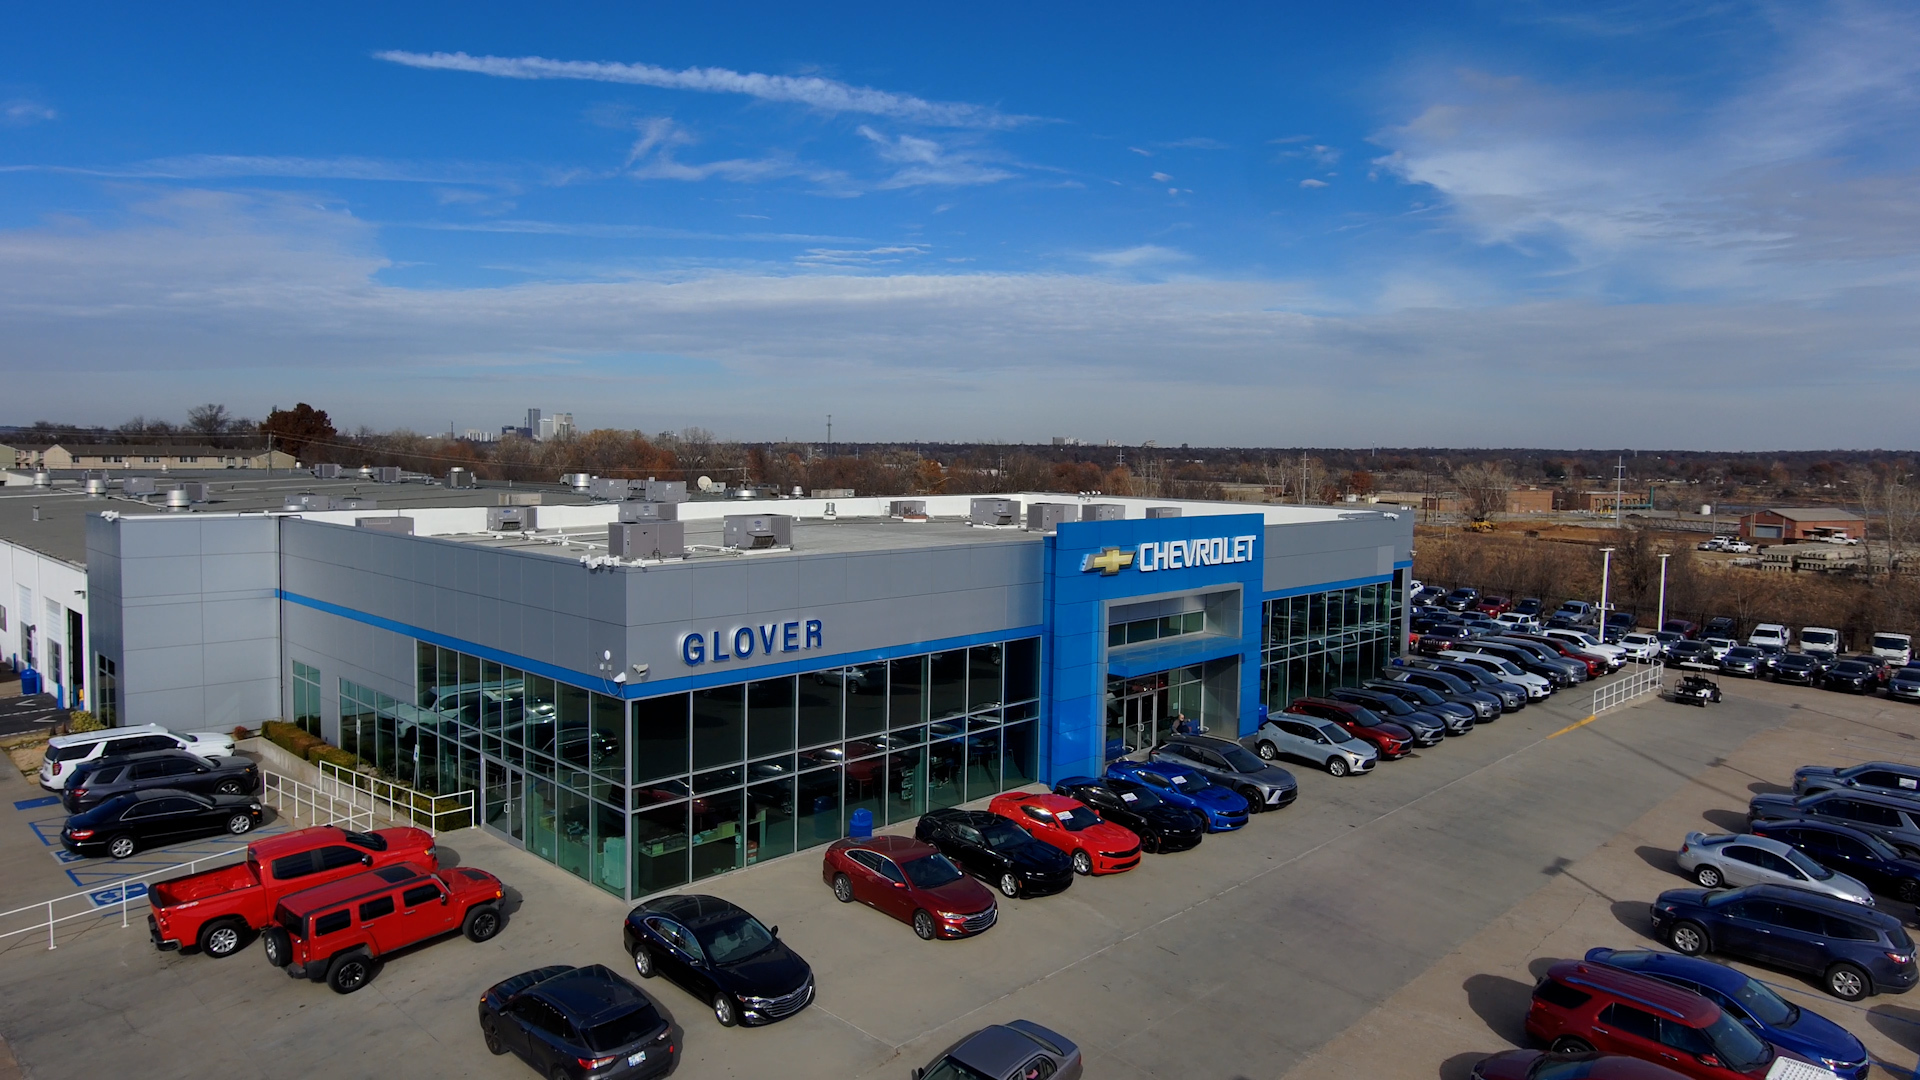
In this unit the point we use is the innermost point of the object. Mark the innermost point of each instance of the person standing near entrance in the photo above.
(1184, 726)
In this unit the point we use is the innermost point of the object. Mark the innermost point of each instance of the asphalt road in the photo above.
(1233, 960)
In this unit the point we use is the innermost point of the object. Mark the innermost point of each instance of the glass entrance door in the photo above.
(504, 792)
(1143, 710)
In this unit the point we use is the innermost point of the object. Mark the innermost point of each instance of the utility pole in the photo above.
(1619, 487)
(1664, 556)
(829, 436)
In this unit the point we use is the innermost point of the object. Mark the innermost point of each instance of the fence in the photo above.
(1646, 680)
(290, 798)
(397, 802)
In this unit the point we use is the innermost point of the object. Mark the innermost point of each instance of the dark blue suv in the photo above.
(1749, 1001)
(1856, 951)
(1181, 786)
(1859, 855)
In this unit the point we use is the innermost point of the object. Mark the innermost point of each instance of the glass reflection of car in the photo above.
(997, 851)
(1181, 786)
(721, 954)
(911, 881)
(1018, 1050)
(1161, 826)
(857, 680)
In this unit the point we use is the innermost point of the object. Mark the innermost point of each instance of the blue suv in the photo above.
(1856, 951)
(1181, 786)
(1749, 1001)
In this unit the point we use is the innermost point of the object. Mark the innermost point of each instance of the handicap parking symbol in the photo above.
(110, 897)
(65, 856)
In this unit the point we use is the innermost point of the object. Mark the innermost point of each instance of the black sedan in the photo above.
(1798, 668)
(1161, 826)
(127, 823)
(1861, 856)
(1697, 655)
(997, 851)
(96, 782)
(577, 1022)
(1851, 676)
(720, 954)
(1904, 684)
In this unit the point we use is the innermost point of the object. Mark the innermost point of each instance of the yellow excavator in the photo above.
(1480, 525)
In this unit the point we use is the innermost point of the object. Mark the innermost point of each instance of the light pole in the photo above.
(1663, 590)
(1606, 568)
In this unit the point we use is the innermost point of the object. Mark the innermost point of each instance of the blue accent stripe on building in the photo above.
(720, 675)
(1329, 586)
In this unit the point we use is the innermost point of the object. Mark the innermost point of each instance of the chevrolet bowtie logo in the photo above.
(1110, 561)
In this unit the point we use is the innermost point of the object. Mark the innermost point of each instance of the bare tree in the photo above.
(209, 419)
(1484, 488)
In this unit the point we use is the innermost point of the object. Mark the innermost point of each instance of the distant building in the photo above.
(1800, 523)
(477, 435)
(563, 425)
(1530, 501)
(1598, 502)
(533, 423)
(137, 456)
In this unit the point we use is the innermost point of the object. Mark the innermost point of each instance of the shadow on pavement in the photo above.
(1761, 787)
(1733, 821)
(1460, 1066)
(1538, 966)
(1501, 1003)
(1899, 1023)
(1657, 857)
(1632, 914)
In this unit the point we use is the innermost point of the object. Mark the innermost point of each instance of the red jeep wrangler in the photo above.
(216, 909)
(335, 932)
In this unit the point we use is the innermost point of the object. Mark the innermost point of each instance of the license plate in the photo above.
(637, 1058)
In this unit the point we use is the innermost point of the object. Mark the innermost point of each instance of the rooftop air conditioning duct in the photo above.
(634, 510)
(386, 474)
(178, 500)
(1047, 517)
(96, 487)
(511, 518)
(647, 539)
(356, 502)
(461, 478)
(750, 532)
(326, 472)
(400, 525)
(663, 491)
(994, 512)
(138, 485)
(906, 508)
(578, 481)
(196, 492)
(1163, 511)
(1102, 512)
(608, 488)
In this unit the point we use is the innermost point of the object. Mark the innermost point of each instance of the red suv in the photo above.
(911, 881)
(1097, 846)
(1580, 1007)
(336, 932)
(1392, 740)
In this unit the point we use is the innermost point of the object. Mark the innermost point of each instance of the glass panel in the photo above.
(769, 820)
(819, 709)
(659, 849)
(715, 779)
(906, 784)
(541, 709)
(1023, 669)
(660, 791)
(718, 844)
(866, 783)
(983, 676)
(719, 726)
(818, 803)
(425, 672)
(1116, 635)
(571, 743)
(1143, 630)
(573, 823)
(946, 765)
(1022, 754)
(660, 737)
(608, 749)
(983, 764)
(946, 684)
(469, 672)
(542, 822)
(770, 705)
(448, 675)
(906, 694)
(866, 698)
(914, 736)
(609, 848)
(1025, 711)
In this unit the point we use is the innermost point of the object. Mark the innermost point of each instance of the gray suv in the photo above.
(1238, 769)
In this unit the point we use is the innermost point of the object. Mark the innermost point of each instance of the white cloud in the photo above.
(1196, 143)
(1310, 182)
(1162, 177)
(1142, 255)
(826, 95)
(879, 256)
(1142, 153)
(925, 162)
(20, 112)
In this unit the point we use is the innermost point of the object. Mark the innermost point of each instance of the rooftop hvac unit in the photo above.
(901, 508)
(386, 474)
(647, 539)
(356, 502)
(1102, 512)
(635, 510)
(461, 478)
(1046, 517)
(578, 481)
(662, 491)
(1163, 511)
(96, 486)
(138, 485)
(177, 500)
(994, 512)
(326, 472)
(401, 525)
(748, 532)
(833, 493)
(608, 488)
(308, 501)
(196, 492)
(511, 518)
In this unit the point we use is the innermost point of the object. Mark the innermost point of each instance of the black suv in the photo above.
(98, 781)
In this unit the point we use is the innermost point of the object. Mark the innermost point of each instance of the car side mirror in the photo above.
(366, 860)
(775, 930)
(899, 884)
(1709, 1060)
(445, 900)
(918, 1073)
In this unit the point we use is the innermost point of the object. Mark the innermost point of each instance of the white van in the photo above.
(1822, 640)
(1895, 647)
(1770, 633)
(66, 753)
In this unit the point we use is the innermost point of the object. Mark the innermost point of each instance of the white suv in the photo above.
(65, 753)
(1585, 642)
(1769, 633)
(1641, 647)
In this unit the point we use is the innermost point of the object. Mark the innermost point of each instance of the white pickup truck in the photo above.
(1897, 648)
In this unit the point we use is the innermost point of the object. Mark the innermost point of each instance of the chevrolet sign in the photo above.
(1181, 554)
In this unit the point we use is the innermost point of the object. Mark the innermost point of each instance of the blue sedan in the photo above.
(1750, 1002)
(1225, 810)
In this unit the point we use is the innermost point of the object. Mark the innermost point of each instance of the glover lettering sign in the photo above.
(1182, 554)
(738, 643)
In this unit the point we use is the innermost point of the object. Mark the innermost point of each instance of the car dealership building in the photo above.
(647, 694)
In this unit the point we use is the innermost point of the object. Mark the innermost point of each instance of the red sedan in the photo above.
(1392, 740)
(910, 881)
(1494, 605)
(1097, 846)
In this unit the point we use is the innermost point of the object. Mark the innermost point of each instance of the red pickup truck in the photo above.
(216, 910)
(337, 932)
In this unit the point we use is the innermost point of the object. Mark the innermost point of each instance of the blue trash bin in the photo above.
(860, 824)
(30, 682)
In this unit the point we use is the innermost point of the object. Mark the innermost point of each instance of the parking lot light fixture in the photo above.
(1606, 568)
(1664, 556)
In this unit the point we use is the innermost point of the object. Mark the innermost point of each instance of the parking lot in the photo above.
(1384, 925)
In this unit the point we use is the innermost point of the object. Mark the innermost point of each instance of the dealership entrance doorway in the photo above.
(1143, 709)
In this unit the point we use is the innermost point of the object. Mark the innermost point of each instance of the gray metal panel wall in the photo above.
(1307, 554)
(103, 599)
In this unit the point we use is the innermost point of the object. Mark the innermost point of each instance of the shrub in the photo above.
(240, 732)
(333, 754)
(82, 720)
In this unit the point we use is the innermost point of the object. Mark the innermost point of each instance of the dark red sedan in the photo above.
(1534, 1065)
(1392, 740)
(910, 881)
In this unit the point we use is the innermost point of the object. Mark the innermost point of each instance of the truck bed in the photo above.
(201, 886)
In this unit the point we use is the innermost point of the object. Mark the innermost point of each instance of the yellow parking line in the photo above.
(1571, 727)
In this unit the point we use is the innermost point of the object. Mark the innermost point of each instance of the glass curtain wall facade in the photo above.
(306, 697)
(651, 794)
(1319, 641)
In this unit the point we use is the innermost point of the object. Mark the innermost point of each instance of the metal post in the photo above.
(1663, 591)
(50, 943)
(1606, 568)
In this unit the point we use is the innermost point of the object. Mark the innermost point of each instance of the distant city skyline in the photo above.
(1689, 224)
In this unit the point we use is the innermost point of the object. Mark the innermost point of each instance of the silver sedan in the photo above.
(1733, 861)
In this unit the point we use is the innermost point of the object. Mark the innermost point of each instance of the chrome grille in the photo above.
(786, 1004)
(976, 923)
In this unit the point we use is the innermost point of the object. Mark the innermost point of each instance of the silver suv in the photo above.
(1227, 763)
(1323, 742)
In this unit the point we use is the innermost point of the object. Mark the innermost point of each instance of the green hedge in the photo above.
(308, 747)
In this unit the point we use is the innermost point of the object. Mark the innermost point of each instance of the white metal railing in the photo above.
(397, 802)
(289, 798)
(1646, 680)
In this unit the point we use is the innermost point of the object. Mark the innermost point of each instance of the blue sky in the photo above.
(1536, 223)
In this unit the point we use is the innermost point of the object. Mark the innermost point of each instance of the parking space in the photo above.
(101, 878)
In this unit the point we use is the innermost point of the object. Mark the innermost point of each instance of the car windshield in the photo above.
(1807, 866)
(1003, 833)
(1741, 652)
(1188, 782)
(1425, 696)
(1336, 733)
(1393, 706)
(1242, 759)
(1076, 819)
(1764, 1005)
(1908, 674)
(931, 872)
(1848, 667)
(949, 1068)
(623, 1030)
(730, 943)
(1365, 717)
(1137, 796)
(1740, 1050)
(1887, 641)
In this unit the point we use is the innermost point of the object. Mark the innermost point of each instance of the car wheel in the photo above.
(1009, 886)
(1907, 892)
(122, 847)
(481, 923)
(724, 1009)
(221, 939)
(1268, 751)
(1687, 938)
(1847, 982)
(1708, 877)
(842, 889)
(228, 787)
(240, 824)
(643, 960)
(1082, 863)
(923, 925)
(1337, 766)
(349, 973)
(1256, 800)
(278, 947)
(490, 1035)
(1567, 1044)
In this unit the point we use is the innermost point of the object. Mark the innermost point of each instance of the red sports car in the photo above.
(910, 881)
(1097, 846)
